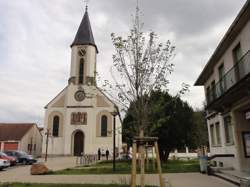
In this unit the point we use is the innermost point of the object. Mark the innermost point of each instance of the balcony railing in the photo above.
(232, 77)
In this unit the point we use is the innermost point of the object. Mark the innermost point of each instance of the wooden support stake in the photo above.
(147, 160)
(153, 158)
(142, 148)
(133, 172)
(159, 164)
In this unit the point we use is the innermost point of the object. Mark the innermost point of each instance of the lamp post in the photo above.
(47, 142)
(114, 113)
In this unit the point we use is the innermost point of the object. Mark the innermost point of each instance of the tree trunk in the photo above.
(166, 155)
(161, 154)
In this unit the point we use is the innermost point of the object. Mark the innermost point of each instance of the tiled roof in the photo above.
(84, 35)
(14, 131)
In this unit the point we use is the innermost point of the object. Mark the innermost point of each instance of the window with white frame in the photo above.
(212, 135)
(215, 134)
(217, 130)
(228, 130)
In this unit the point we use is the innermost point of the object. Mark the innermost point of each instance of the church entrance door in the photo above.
(78, 143)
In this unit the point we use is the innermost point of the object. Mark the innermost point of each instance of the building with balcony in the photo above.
(226, 80)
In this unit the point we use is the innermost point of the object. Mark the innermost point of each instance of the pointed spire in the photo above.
(84, 35)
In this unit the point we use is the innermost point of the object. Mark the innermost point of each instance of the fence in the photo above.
(86, 160)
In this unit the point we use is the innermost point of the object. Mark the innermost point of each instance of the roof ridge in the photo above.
(14, 131)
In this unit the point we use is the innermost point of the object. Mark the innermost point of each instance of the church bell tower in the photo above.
(83, 55)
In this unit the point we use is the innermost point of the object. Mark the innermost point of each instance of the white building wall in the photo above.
(90, 60)
(55, 144)
(33, 136)
(227, 59)
(63, 145)
(242, 125)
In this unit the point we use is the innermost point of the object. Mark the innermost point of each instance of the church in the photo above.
(80, 119)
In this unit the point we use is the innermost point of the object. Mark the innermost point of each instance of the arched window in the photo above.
(81, 71)
(104, 125)
(55, 131)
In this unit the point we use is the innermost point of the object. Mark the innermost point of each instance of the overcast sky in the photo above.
(35, 38)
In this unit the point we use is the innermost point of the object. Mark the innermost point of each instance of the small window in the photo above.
(214, 163)
(81, 71)
(217, 129)
(213, 89)
(212, 134)
(222, 80)
(220, 164)
(228, 130)
(29, 147)
(237, 53)
(221, 71)
(104, 126)
(55, 131)
(208, 94)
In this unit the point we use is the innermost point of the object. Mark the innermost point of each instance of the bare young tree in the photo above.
(141, 65)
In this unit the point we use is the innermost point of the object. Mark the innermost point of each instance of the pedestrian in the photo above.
(107, 154)
(99, 154)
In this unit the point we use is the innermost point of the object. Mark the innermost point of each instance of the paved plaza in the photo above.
(22, 174)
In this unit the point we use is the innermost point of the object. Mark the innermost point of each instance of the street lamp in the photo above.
(47, 142)
(114, 113)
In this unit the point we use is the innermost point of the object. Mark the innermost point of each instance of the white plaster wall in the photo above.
(63, 145)
(33, 136)
(90, 60)
(88, 101)
(223, 148)
(55, 144)
(242, 125)
(91, 141)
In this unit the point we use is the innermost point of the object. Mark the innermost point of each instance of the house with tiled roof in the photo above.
(21, 136)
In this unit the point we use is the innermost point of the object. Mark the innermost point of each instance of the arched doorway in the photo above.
(78, 143)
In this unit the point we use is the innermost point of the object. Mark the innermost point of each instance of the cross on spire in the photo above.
(86, 5)
(84, 35)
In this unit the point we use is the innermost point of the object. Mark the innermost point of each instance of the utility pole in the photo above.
(47, 142)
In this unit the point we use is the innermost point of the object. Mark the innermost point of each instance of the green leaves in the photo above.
(169, 118)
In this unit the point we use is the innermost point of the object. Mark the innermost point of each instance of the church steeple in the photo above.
(84, 35)
(83, 55)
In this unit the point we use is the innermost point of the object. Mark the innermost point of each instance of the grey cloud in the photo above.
(35, 37)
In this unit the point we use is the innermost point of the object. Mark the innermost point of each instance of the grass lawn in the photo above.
(124, 167)
(60, 185)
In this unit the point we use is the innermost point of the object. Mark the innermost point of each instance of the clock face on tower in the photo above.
(82, 52)
(80, 95)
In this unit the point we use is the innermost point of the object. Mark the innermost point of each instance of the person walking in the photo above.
(107, 154)
(99, 154)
